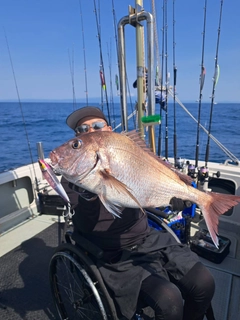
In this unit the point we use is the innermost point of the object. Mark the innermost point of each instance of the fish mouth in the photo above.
(54, 158)
(55, 162)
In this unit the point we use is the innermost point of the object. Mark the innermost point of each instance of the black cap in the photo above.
(84, 112)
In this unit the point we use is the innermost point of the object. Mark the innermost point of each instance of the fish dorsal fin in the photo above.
(114, 183)
(136, 138)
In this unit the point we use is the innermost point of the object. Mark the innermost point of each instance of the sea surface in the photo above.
(22, 125)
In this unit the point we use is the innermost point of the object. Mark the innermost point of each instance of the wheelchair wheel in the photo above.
(159, 224)
(77, 286)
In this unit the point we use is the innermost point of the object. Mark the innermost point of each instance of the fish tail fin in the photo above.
(217, 205)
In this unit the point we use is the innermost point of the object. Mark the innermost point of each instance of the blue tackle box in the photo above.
(179, 222)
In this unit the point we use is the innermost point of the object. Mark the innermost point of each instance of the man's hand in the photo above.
(179, 205)
(87, 195)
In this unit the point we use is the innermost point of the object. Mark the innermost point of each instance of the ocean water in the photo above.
(21, 127)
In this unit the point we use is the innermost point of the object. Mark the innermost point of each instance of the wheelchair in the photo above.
(76, 284)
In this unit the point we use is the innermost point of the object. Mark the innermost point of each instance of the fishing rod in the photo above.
(202, 79)
(158, 74)
(174, 91)
(116, 46)
(166, 83)
(21, 109)
(158, 68)
(215, 80)
(111, 87)
(161, 82)
(117, 84)
(71, 64)
(102, 73)
(84, 54)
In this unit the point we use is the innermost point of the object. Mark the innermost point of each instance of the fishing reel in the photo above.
(180, 163)
(191, 171)
(203, 174)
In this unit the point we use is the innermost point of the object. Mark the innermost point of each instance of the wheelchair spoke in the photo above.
(76, 295)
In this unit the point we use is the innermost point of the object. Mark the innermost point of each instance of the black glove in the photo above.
(85, 194)
(179, 205)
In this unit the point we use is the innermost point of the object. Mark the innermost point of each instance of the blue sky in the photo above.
(42, 35)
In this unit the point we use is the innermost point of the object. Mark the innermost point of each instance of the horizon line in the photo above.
(92, 100)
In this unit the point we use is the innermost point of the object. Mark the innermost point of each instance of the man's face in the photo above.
(91, 125)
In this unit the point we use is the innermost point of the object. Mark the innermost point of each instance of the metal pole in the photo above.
(140, 66)
(151, 82)
(122, 71)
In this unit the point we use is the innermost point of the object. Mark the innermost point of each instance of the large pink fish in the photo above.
(124, 173)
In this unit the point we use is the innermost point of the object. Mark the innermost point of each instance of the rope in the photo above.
(220, 145)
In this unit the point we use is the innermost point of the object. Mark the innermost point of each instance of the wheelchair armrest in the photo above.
(157, 212)
(87, 245)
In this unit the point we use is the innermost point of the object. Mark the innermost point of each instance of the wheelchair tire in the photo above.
(77, 287)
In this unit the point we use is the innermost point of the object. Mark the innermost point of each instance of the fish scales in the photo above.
(124, 173)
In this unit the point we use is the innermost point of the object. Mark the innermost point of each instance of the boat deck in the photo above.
(24, 286)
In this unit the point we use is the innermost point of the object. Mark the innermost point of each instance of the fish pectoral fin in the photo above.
(114, 209)
(119, 186)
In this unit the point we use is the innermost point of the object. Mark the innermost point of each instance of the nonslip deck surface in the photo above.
(24, 285)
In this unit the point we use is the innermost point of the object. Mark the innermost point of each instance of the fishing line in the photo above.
(84, 54)
(21, 109)
(215, 80)
(71, 64)
(102, 73)
(174, 91)
(202, 78)
(161, 82)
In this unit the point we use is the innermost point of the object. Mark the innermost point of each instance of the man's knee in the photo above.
(170, 304)
(198, 286)
(163, 297)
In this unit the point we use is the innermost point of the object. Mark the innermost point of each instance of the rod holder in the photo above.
(40, 150)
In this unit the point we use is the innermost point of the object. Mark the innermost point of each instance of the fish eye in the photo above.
(77, 144)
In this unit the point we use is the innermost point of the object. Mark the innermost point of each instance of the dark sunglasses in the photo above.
(85, 127)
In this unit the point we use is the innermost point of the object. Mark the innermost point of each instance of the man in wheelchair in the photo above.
(139, 261)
